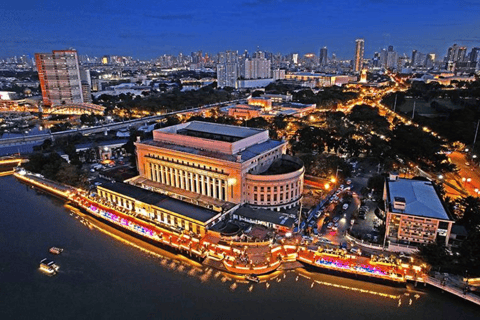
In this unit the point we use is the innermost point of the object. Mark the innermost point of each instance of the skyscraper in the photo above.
(323, 59)
(227, 69)
(474, 54)
(257, 67)
(59, 75)
(359, 52)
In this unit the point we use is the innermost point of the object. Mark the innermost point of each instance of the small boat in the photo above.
(49, 266)
(55, 250)
(252, 278)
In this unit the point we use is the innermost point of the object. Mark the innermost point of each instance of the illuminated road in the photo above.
(468, 176)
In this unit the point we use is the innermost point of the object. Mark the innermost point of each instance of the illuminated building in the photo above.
(359, 53)
(265, 103)
(415, 214)
(219, 166)
(59, 75)
(256, 68)
(323, 59)
(160, 208)
(320, 79)
(227, 69)
(241, 111)
(363, 76)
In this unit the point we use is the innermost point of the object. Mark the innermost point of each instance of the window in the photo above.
(255, 197)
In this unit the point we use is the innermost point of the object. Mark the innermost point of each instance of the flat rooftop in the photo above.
(216, 131)
(162, 201)
(421, 198)
(247, 154)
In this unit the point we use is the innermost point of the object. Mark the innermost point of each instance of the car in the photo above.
(330, 225)
(336, 224)
(334, 228)
(324, 240)
(356, 251)
(345, 206)
(336, 219)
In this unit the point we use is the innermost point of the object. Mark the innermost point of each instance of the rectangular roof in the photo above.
(246, 154)
(162, 201)
(222, 129)
(421, 198)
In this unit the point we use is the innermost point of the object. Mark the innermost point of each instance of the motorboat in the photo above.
(55, 250)
(49, 266)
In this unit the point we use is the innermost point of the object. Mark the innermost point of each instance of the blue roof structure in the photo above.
(421, 198)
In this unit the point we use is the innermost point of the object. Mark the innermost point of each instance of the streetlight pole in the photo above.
(475, 138)
(395, 105)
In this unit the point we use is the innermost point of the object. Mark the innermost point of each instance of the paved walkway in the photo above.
(452, 287)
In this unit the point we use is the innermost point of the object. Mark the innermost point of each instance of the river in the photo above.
(104, 277)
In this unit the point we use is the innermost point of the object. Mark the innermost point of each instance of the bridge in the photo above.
(102, 128)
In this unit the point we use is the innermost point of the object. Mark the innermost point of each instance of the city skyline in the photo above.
(150, 30)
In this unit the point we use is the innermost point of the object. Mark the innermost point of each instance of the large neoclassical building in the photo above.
(218, 166)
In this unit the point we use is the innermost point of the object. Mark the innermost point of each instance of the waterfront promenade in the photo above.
(235, 257)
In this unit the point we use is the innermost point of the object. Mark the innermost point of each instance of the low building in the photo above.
(263, 102)
(241, 111)
(415, 213)
(320, 79)
(278, 221)
(160, 208)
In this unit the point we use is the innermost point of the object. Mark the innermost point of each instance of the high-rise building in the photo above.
(323, 58)
(59, 75)
(414, 55)
(392, 58)
(257, 67)
(227, 69)
(359, 52)
(474, 55)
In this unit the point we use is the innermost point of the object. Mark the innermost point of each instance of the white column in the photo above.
(182, 178)
(208, 186)
(197, 182)
(162, 171)
(214, 182)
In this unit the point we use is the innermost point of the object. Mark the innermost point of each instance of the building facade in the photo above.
(59, 75)
(163, 210)
(227, 69)
(359, 53)
(415, 213)
(215, 165)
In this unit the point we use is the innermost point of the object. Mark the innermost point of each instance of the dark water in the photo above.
(102, 277)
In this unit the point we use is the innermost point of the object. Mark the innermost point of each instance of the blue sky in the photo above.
(147, 29)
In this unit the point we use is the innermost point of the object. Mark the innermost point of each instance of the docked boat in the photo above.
(48, 266)
(55, 250)
(252, 278)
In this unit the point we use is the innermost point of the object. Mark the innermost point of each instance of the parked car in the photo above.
(336, 219)
(345, 206)
(356, 251)
(330, 225)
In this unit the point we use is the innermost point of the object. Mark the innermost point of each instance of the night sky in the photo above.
(147, 29)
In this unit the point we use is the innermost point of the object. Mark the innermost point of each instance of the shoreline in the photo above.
(198, 249)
